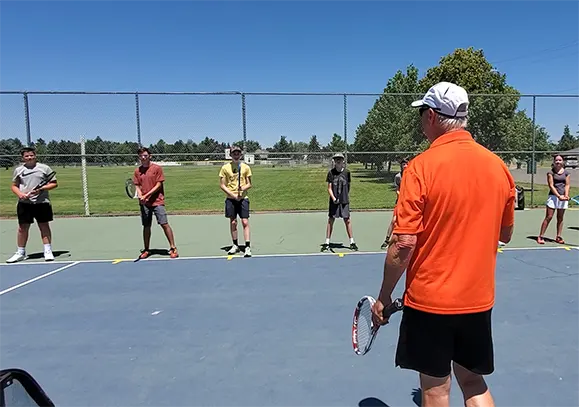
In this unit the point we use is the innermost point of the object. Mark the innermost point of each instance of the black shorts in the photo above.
(339, 210)
(235, 208)
(27, 212)
(429, 342)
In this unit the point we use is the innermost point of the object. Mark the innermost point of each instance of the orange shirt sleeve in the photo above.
(410, 207)
(509, 211)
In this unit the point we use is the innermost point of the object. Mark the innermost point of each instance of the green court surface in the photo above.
(110, 238)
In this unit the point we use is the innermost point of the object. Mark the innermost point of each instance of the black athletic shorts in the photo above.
(235, 208)
(428, 343)
(27, 212)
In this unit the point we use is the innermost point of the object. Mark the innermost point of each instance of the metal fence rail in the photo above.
(74, 130)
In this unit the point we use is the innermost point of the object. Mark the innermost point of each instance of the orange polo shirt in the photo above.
(454, 197)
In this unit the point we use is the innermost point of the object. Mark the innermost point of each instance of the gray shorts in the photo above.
(339, 210)
(147, 215)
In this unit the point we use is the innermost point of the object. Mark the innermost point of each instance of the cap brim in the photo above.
(418, 103)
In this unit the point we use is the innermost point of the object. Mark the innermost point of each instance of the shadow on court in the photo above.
(372, 402)
(417, 397)
(57, 254)
(550, 240)
(573, 228)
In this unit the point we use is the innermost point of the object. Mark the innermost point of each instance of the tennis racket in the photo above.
(363, 329)
(575, 199)
(131, 189)
(47, 178)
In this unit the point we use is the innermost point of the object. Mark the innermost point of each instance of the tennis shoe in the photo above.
(48, 256)
(144, 254)
(234, 249)
(353, 246)
(247, 252)
(173, 253)
(17, 257)
(325, 247)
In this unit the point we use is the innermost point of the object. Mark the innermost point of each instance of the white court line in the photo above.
(225, 256)
(32, 280)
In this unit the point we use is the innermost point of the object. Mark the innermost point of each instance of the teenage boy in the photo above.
(339, 180)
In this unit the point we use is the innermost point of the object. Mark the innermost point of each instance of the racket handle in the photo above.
(392, 308)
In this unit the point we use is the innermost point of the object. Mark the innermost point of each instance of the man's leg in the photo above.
(345, 214)
(25, 219)
(435, 391)
(146, 221)
(425, 345)
(231, 214)
(162, 219)
(474, 388)
(329, 230)
(244, 216)
(43, 214)
(474, 357)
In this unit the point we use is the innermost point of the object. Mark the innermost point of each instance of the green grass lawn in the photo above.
(196, 189)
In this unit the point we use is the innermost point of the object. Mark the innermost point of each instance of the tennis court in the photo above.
(273, 330)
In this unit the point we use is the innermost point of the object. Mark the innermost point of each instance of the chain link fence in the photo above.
(91, 140)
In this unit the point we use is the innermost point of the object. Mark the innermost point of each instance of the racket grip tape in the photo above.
(392, 308)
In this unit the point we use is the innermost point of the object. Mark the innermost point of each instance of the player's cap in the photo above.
(445, 98)
(338, 155)
(234, 148)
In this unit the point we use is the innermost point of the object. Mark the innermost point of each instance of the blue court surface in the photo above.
(266, 331)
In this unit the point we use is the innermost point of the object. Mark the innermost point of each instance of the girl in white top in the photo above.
(559, 180)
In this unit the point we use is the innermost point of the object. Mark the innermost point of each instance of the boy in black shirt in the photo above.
(339, 180)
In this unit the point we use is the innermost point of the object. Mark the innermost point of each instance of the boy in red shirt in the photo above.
(148, 179)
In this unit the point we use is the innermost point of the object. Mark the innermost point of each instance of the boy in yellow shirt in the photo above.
(235, 180)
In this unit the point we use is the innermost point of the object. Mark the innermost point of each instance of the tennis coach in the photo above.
(446, 232)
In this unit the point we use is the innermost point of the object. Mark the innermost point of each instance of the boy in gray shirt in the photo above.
(32, 204)
(339, 180)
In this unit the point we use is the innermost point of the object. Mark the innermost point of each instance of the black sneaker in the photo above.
(325, 247)
(353, 246)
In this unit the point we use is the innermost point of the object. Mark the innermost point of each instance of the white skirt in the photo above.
(555, 203)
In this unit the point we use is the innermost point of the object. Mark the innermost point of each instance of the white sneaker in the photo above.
(17, 257)
(247, 252)
(48, 256)
(234, 249)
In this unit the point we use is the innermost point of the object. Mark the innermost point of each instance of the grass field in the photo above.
(196, 190)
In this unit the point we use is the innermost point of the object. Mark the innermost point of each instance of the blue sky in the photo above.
(262, 47)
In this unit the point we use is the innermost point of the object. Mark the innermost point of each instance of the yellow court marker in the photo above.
(340, 254)
(117, 261)
(229, 257)
(499, 250)
(567, 248)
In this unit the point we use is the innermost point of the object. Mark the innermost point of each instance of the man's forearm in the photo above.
(399, 253)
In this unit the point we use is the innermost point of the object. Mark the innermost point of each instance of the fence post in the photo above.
(138, 119)
(346, 127)
(83, 172)
(27, 120)
(243, 121)
(533, 166)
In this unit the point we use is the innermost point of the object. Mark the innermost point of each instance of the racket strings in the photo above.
(364, 329)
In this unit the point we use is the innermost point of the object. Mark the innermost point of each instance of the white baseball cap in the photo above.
(445, 98)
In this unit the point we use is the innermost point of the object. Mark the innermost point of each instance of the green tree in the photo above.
(567, 141)
(488, 115)
(391, 124)
(336, 145)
